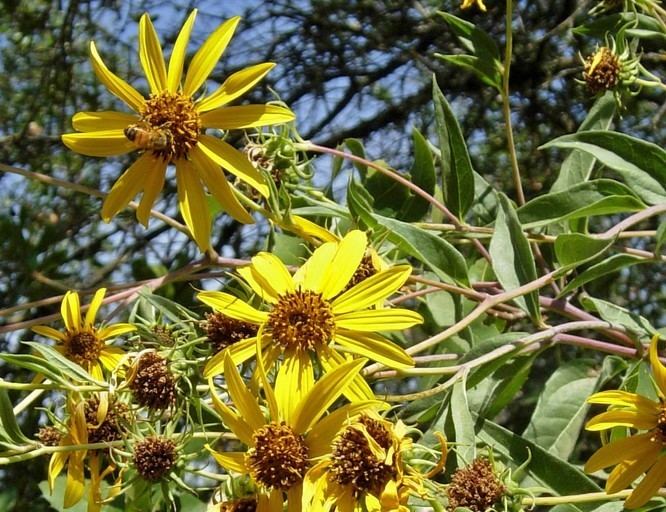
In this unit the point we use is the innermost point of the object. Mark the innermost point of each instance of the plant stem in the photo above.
(506, 104)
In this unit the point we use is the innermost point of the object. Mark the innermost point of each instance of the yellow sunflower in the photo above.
(638, 453)
(82, 342)
(169, 128)
(281, 449)
(469, 3)
(313, 314)
(364, 469)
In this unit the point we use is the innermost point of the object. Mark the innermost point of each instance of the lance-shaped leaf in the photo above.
(456, 164)
(513, 261)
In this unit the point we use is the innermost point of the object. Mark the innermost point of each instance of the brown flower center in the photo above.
(153, 384)
(279, 458)
(223, 330)
(301, 320)
(154, 457)
(169, 126)
(83, 347)
(659, 431)
(353, 462)
(602, 70)
(475, 487)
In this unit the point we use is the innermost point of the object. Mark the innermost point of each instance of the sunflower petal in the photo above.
(178, 53)
(307, 229)
(152, 186)
(70, 309)
(235, 86)
(295, 378)
(276, 278)
(150, 55)
(312, 273)
(373, 320)
(629, 470)
(244, 401)
(94, 307)
(258, 284)
(374, 347)
(99, 143)
(193, 204)
(128, 185)
(325, 391)
(233, 161)
(233, 461)
(235, 422)
(624, 399)
(102, 121)
(56, 465)
(240, 352)
(113, 83)
(627, 448)
(649, 486)
(658, 369)
(110, 357)
(372, 289)
(345, 262)
(233, 307)
(115, 330)
(246, 116)
(216, 182)
(358, 390)
(49, 332)
(208, 55)
(75, 480)
(621, 418)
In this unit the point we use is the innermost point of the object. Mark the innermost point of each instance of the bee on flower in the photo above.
(168, 127)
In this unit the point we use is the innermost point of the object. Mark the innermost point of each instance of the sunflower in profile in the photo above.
(168, 128)
(282, 448)
(82, 342)
(641, 451)
(315, 316)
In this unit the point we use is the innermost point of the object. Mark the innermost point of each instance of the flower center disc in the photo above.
(355, 464)
(172, 119)
(279, 458)
(302, 320)
(83, 347)
(602, 70)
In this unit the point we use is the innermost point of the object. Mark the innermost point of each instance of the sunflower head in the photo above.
(152, 383)
(154, 457)
(475, 487)
(279, 458)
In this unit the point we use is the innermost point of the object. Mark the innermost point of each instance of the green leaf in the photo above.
(578, 165)
(463, 425)
(489, 75)
(547, 469)
(512, 257)
(456, 164)
(608, 266)
(435, 252)
(290, 249)
(560, 411)
(8, 420)
(597, 197)
(487, 64)
(67, 367)
(572, 249)
(357, 149)
(423, 175)
(360, 204)
(641, 164)
(618, 315)
(485, 200)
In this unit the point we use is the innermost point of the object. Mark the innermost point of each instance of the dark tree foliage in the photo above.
(352, 68)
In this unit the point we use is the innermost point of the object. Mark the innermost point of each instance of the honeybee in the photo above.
(147, 137)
